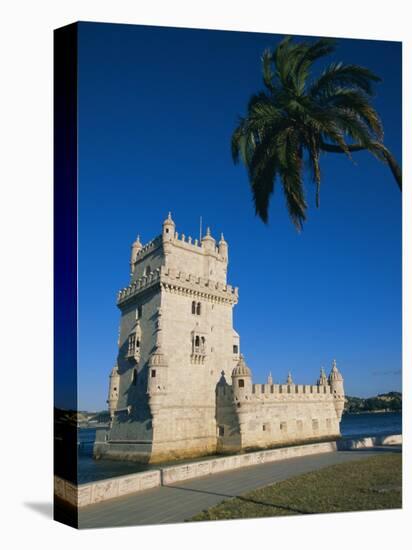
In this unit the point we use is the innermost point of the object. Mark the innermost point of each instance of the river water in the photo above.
(352, 425)
(364, 424)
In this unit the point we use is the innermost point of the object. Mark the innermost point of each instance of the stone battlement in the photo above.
(194, 245)
(173, 280)
(149, 247)
(290, 389)
(281, 391)
(181, 241)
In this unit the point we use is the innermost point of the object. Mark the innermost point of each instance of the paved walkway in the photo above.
(178, 502)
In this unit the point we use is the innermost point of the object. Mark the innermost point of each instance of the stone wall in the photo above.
(273, 414)
(174, 474)
(92, 493)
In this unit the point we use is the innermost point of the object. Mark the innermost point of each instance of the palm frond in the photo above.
(357, 102)
(353, 126)
(296, 117)
(310, 52)
(262, 174)
(267, 69)
(236, 143)
(290, 168)
(339, 74)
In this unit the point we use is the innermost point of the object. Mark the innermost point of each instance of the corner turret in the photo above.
(223, 249)
(336, 383)
(158, 368)
(113, 397)
(169, 226)
(241, 381)
(136, 248)
(208, 242)
(157, 379)
(322, 381)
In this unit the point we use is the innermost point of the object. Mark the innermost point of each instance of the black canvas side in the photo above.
(65, 265)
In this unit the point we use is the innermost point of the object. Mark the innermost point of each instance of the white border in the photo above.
(26, 230)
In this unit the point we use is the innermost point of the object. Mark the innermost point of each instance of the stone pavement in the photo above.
(176, 503)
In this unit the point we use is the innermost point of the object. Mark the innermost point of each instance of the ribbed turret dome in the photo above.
(168, 220)
(334, 373)
(222, 241)
(137, 243)
(208, 236)
(241, 368)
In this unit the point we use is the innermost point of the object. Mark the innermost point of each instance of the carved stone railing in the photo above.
(180, 282)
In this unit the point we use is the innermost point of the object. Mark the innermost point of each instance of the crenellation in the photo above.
(149, 247)
(290, 391)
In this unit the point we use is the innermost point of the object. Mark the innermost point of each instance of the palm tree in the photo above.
(297, 118)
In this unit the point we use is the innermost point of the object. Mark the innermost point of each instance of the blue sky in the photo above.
(157, 107)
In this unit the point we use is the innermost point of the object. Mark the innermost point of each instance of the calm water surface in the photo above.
(352, 425)
(371, 424)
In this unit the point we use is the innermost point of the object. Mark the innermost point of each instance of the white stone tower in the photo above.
(176, 336)
(168, 394)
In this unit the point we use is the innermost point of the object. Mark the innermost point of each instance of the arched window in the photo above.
(134, 377)
(193, 308)
(197, 341)
(241, 383)
(198, 308)
(148, 270)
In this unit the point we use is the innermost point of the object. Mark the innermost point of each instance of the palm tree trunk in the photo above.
(386, 154)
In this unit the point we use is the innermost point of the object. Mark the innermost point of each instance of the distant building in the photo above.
(180, 387)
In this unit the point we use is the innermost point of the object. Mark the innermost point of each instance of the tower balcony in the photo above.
(133, 355)
(198, 355)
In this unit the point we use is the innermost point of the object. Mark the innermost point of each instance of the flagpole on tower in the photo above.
(200, 229)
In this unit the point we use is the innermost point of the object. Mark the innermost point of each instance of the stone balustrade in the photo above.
(172, 279)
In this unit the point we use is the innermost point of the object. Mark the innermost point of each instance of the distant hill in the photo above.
(80, 418)
(86, 418)
(391, 401)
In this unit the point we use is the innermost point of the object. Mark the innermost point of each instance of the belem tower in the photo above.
(181, 387)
